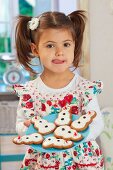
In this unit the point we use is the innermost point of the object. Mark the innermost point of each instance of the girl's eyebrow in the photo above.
(56, 42)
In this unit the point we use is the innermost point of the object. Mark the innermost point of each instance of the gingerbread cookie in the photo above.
(52, 142)
(92, 114)
(34, 138)
(65, 132)
(17, 140)
(64, 118)
(83, 122)
(43, 126)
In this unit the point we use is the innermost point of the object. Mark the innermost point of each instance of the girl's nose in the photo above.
(59, 52)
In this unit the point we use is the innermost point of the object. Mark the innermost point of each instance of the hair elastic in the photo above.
(34, 23)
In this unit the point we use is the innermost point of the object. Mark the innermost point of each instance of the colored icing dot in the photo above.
(75, 134)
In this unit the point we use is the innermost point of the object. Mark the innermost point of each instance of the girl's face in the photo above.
(56, 50)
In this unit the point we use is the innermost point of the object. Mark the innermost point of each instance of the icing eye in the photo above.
(62, 118)
(63, 113)
(63, 129)
(27, 137)
(46, 126)
(36, 136)
(69, 131)
(58, 140)
(84, 117)
(49, 139)
(79, 122)
(40, 121)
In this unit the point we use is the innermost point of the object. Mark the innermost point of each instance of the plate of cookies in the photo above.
(57, 132)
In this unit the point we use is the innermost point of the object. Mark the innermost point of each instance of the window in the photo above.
(5, 42)
(13, 8)
(25, 7)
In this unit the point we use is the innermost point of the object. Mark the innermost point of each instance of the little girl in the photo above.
(56, 39)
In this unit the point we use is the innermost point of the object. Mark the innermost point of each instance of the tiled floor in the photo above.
(8, 148)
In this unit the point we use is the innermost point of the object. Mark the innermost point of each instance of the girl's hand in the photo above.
(27, 123)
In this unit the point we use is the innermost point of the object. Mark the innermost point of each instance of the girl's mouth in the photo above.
(57, 61)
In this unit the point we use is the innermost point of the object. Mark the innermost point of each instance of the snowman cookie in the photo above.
(64, 118)
(53, 142)
(34, 138)
(83, 122)
(66, 133)
(43, 126)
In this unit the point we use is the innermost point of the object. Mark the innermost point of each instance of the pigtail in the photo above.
(23, 41)
(78, 19)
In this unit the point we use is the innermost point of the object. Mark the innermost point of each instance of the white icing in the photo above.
(35, 118)
(82, 122)
(67, 133)
(77, 124)
(36, 137)
(59, 142)
(44, 126)
(54, 143)
(26, 139)
(91, 113)
(17, 140)
(67, 143)
(29, 139)
(85, 118)
(64, 118)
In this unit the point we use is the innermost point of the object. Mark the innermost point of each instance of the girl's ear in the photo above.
(34, 49)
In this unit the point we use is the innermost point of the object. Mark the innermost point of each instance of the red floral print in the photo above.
(49, 102)
(30, 151)
(47, 156)
(64, 155)
(62, 103)
(29, 105)
(74, 110)
(27, 162)
(75, 153)
(26, 97)
(97, 152)
(43, 107)
(68, 98)
(89, 144)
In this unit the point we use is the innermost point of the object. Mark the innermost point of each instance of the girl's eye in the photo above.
(50, 46)
(67, 44)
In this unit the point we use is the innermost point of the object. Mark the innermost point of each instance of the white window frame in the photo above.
(13, 8)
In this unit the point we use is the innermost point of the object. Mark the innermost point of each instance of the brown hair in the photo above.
(75, 22)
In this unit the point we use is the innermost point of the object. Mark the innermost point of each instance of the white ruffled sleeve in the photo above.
(25, 109)
(88, 92)
(97, 125)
